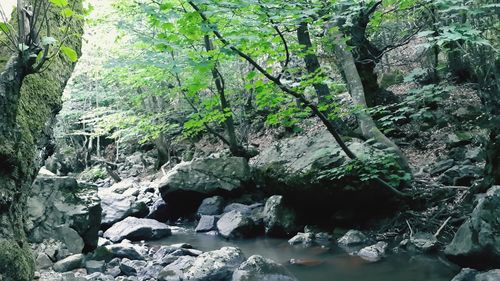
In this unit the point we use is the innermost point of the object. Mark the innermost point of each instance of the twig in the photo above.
(411, 230)
(442, 226)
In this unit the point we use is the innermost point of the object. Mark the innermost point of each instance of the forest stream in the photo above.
(249, 140)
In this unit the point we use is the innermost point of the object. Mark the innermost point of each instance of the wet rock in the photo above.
(60, 208)
(69, 263)
(206, 223)
(257, 268)
(353, 237)
(306, 239)
(492, 275)
(306, 262)
(425, 242)
(137, 229)
(131, 267)
(466, 274)
(236, 225)
(477, 243)
(374, 252)
(93, 266)
(211, 206)
(216, 265)
(279, 220)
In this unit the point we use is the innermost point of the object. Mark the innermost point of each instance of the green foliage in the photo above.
(378, 164)
(416, 106)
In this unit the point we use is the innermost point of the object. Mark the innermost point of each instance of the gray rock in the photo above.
(206, 223)
(150, 271)
(93, 266)
(137, 229)
(306, 239)
(123, 186)
(353, 237)
(206, 176)
(477, 243)
(466, 274)
(69, 263)
(158, 210)
(132, 267)
(43, 261)
(215, 265)
(176, 270)
(242, 208)
(98, 276)
(425, 242)
(279, 220)
(60, 208)
(211, 206)
(492, 275)
(103, 242)
(125, 250)
(374, 252)
(257, 268)
(113, 267)
(458, 139)
(236, 225)
(115, 207)
(441, 166)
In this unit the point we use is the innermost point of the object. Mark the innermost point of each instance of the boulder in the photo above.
(206, 224)
(69, 263)
(374, 252)
(302, 168)
(158, 210)
(176, 270)
(116, 207)
(492, 275)
(305, 239)
(137, 229)
(43, 261)
(441, 166)
(279, 220)
(93, 266)
(211, 206)
(215, 265)
(352, 238)
(476, 243)
(257, 268)
(184, 187)
(126, 250)
(466, 274)
(236, 225)
(62, 209)
(242, 208)
(131, 267)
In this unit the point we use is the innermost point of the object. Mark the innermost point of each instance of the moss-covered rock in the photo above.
(16, 262)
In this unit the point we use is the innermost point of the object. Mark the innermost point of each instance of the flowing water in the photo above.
(327, 264)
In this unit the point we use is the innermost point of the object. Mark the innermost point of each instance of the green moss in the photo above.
(16, 263)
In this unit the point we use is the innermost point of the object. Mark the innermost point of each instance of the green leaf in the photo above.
(59, 3)
(70, 53)
(67, 12)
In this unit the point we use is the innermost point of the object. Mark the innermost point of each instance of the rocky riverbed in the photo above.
(126, 231)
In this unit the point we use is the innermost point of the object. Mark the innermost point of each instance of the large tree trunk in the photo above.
(366, 123)
(28, 105)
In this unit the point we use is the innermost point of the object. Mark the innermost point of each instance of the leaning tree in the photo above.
(38, 46)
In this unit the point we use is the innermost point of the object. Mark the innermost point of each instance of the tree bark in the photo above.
(235, 148)
(366, 123)
(28, 105)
